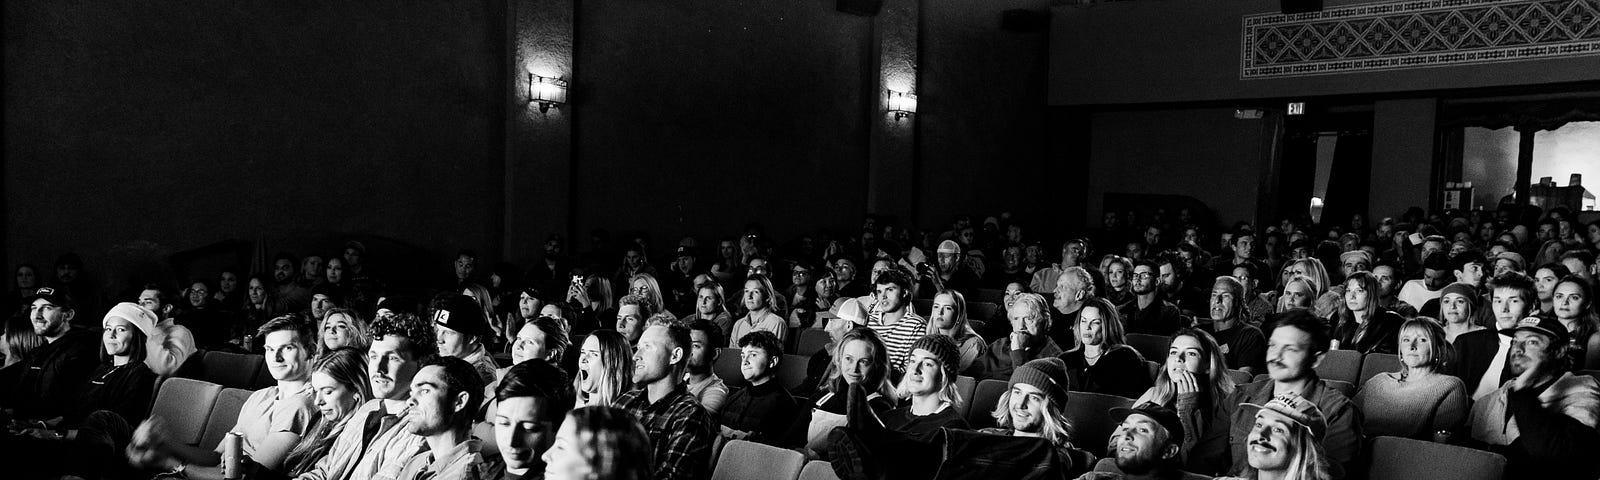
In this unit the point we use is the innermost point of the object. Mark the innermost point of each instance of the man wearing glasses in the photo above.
(1149, 313)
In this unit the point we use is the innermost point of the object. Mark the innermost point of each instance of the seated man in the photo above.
(1297, 342)
(1031, 408)
(1145, 446)
(704, 337)
(461, 328)
(52, 373)
(1029, 339)
(271, 421)
(399, 344)
(445, 396)
(1543, 420)
(679, 427)
(533, 397)
(1243, 346)
(1483, 356)
(761, 412)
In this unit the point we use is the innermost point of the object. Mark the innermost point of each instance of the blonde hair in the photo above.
(1054, 428)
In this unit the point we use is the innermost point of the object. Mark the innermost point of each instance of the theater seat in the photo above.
(1395, 458)
(1091, 422)
(812, 341)
(1152, 347)
(1376, 363)
(981, 310)
(984, 399)
(965, 386)
(233, 370)
(184, 404)
(1341, 365)
(1154, 369)
(743, 460)
(792, 371)
(726, 367)
(818, 470)
(989, 295)
(224, 415)
(1239, 377)
(923, 307)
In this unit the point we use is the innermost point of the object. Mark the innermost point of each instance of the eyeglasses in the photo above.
(1144, 275)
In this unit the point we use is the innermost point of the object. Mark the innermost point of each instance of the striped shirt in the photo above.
(899, 336)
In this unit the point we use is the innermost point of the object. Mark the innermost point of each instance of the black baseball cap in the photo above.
(462, 314)
(54, 296)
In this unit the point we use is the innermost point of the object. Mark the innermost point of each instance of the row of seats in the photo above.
(197, 412)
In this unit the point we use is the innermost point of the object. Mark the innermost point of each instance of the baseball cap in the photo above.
(1549, 327)
(54, 296)
(1294, 408)
(949, 246)
(462, 314)
(1163, 416)
(686, 251)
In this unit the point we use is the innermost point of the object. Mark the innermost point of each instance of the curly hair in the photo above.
(410, 326)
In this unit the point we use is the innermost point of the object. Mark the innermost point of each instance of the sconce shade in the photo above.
(546, 91)
(902, 104)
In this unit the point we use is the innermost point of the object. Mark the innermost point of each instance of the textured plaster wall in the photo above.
(139, 129)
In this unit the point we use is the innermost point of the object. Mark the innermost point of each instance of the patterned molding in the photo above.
(1416, 34)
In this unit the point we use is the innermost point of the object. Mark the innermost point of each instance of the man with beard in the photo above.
(311, 271)
(1144, 447)
(953, 272)
(679, 428)
(1298, 341)
(445, 396)
(1243, 247)
(371, 440)
(1030, 408)
(1149, 313)
(532, 401)
(292, 297)
(48, 379)
(1242, 344)
(678, 281)
(1173, 280)
(1544, 419)
(704, 337)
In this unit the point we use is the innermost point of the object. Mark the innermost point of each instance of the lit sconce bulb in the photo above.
(546, 91)
(902, 104)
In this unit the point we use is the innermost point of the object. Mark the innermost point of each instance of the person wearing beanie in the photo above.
(122, 383)
(460, 327)
(929, 384)
(1458, 307)
(1032, 406)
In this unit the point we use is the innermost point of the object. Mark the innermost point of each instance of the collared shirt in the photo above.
(462, 462)
(1491, 378)
(680, 430)
(899, 336)
(351, 446)
(483, 363)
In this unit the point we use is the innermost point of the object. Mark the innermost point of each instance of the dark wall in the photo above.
(694, 117)
(154, 128)
(1202, 153)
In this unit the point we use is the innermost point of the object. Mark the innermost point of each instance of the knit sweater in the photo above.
(1412, 408)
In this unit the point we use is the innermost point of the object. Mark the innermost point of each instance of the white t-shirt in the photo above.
(1416, 293)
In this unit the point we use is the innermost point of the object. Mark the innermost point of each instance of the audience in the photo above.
(1499, 370)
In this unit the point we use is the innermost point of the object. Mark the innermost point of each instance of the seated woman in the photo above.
(1105, 364)
(930, 386)
(342, 327)
(709, 306)
(1458, 308)
(122, 383)
(1420, 401)
(949, 315)
(859, 358)
(339, 380)
(1574, 307)
(759, 300)
(605, 368)
(1191, 382)
(271, 422)
(600, 442)
(1361, 325)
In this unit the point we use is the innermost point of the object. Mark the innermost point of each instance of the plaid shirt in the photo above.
(681, 430)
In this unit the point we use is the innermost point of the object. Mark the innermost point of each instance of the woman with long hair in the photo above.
(122, 382)
(1574, 307)
(646, 286)
(709, 306)
(1289, 447)
(342, 327)
(1458, 310)
(1420, 401)
(605, 368)
(828, 296)
(27, 281)
(19, 339)
(592, 303)
(860, 357)
(486, 300)
(1298, 293)
(762, 310)
(1105, 363)
(1360, 325)
(339, 381)
(1192, 381)
(600, 442)
(949, 316)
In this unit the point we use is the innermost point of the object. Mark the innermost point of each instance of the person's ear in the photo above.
(1170, 452)
(677, 355)
(772, 362)
(1318, 359)
(461, 401)
(66, 315)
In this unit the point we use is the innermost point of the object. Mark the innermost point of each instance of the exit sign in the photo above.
(1297, 108)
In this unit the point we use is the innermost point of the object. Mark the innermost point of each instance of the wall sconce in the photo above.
(546, 91)
(902, 104)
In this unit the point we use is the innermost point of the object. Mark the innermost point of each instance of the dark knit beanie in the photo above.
(1461, 289)
(943, 348)
(1047, 374)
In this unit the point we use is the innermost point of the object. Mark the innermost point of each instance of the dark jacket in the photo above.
(55, 373)
(1382, 332)
(1162, 318)
(1120, 371)
(1475, 350)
